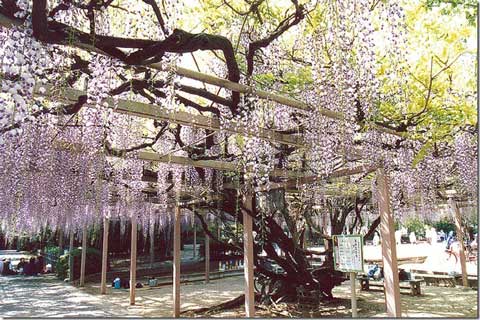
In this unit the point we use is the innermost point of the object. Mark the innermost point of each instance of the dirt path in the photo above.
(47, 297)
(436, 302)
(157, 302)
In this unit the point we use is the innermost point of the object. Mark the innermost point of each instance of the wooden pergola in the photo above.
(293, 178)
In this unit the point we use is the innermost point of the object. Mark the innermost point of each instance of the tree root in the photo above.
(230, 304)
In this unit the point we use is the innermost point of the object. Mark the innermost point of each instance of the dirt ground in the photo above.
(46, 296)
(435, 301)
(157, 302)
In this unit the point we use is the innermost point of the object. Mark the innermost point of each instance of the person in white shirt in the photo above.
(398, 236)
(413, 238)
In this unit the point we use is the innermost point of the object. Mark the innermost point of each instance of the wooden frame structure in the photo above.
(458, 226)
(248, 239)
(84, 255)
(248, 255)
(153, 112)
(103, 285)
(176, 263)
(389, 248)
(133, 259)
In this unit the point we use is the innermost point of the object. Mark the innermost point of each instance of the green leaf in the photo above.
(422, 153)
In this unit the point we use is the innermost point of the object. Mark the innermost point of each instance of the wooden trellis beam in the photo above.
(294, 178)
(234, 86)
(212, 164)
(262, 94)
(184, 161)
(293, 183)
(150, 111)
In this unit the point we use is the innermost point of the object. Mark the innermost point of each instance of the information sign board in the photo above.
(348, 253)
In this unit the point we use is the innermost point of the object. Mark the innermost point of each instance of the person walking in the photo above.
(450, 239)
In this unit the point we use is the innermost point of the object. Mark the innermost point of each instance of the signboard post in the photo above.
(348, 257)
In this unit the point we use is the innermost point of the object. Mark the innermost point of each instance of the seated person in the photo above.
(7, 268)
(21, 265)
(29, 268)
(39, 265)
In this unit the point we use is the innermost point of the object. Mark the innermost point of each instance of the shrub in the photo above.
(444, 224)
(416, 225)
(61, 267)
(93, 263)
(52, 250)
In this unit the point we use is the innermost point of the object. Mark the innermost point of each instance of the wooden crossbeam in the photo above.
(294, 178)
(150, 111)
(283, 100)
(293, 183)
(184, 161)
(234, 86)
(212, 164)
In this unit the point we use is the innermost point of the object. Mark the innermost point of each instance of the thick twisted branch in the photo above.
(282, 27)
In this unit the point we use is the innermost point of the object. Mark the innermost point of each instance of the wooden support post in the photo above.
(458, 224)
(152, 244)
(103, 285)
(207, 258)
(218, 237)
(84, 255)
(133, 260)
(389, 248)
(304, 243)
(60, 241)
(248, 256)
(70, 256)
(176, 264)
(194, 240)
(354, 294)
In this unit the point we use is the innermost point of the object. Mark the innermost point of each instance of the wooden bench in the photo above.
(440, 280)
(472, 282)
(413, 285)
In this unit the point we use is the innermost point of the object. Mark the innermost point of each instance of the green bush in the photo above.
(61, 267)
(444, 224)
(416, 225)
(54, 251)
(93, 263)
